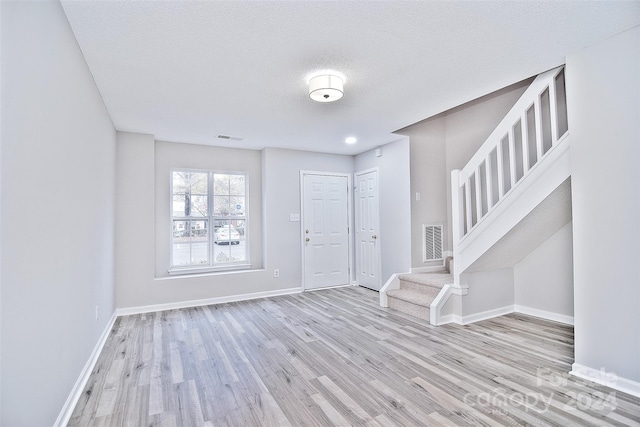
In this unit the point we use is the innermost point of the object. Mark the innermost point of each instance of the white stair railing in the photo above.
(535, 125)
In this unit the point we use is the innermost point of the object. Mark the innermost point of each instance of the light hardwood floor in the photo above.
(334, 357)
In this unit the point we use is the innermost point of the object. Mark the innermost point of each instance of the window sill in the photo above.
(188, 271)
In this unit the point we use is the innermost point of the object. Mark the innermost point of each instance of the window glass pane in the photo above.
(199, 206)
(229, 241)
(178, 205)
(237, 185)
(221, 184)
(199, 243)
(236, 206)
(199, 182)
(179, 182)
(181, 231)
(221, 206)
(181, 244)
(239, 224)
(191, 239)
(190, 243)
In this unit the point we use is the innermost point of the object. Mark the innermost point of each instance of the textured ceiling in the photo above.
(188, 71)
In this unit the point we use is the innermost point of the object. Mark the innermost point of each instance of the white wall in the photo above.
(58, 164)
(544, 278)
(395, 205)
(275, 185)
(603, 95)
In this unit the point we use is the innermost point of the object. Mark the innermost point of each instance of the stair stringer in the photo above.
(392, 283)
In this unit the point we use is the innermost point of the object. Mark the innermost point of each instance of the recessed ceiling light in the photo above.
(351, 140)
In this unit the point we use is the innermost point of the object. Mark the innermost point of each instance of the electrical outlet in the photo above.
(97, 313)
(276, 273)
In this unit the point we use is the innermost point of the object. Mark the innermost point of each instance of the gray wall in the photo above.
(170, 155)
(467, 128)
(603, 88)
(428, 177)
(395, 206)
(544, 278)
(58, 164)
(488, 290)
(142, 253)
(282, 197)
(445, 142)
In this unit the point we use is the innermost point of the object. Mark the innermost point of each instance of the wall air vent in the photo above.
(431, 242)
(231, 138)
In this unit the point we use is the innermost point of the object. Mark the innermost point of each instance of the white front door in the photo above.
(368, 229)
(325, 230)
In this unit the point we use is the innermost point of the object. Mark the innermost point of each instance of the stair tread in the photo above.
(437, 280)
(413, 297)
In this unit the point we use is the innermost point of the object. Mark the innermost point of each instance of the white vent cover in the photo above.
(431, 242)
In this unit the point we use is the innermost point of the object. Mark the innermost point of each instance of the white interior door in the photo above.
(325, 230)
(368, 229)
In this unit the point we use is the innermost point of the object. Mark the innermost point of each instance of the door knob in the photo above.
(307, 239)
(374, 237)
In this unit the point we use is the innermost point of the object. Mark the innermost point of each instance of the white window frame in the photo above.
(212, 266)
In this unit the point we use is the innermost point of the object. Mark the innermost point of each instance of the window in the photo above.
(208, 219)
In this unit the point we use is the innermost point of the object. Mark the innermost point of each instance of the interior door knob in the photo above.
(307, 239)
(374, 237)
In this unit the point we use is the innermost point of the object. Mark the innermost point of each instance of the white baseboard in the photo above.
(450, 318)
(325, 287)
(555, 317)
(489, 314)
(484, 315)
(207, 301)
(609, 379)
(81, 382)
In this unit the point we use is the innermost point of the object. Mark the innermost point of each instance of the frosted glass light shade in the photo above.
(326, 88)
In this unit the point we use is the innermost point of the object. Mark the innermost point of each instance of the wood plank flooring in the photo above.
(334, 357)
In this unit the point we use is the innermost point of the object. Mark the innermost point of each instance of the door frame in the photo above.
(375, 169)
(350, 221)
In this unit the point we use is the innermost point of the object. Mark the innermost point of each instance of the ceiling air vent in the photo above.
(231, 138)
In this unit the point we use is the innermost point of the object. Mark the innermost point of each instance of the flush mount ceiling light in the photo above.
(326, 87)
(351, 140)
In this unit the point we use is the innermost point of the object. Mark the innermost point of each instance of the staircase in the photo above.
(417, 292)
(505, 202)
